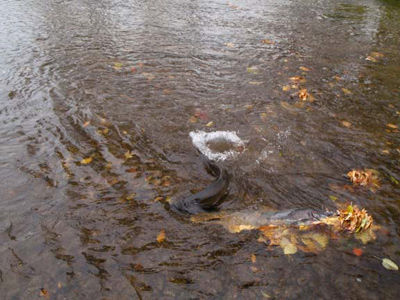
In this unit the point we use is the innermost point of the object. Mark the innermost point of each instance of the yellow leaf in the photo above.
(346, 91)
(210, 124)
(287, 246)
(298, 79)
(161, 236)
(385, 151)
(253, 258)
(377, 54)
(390, 265)
(305, 69)
(391, 126)
(267, 42)
(255, 82)
(263, 117)
(86, 161)
(286, 88)
(230, 45)
(128, 154)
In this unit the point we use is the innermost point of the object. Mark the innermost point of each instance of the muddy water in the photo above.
(97, 99)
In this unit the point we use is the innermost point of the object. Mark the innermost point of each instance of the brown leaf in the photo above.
(44, 293)
(346, 91)
(305, 69)
(298, 79)
(393, 126)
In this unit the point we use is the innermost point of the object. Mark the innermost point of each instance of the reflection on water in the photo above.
(97, 99)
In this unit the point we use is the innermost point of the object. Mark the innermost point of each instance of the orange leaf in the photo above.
(357, 251)
(161, 236)
(86, 124)
(253, 258)
(305, 69)
(391, 126)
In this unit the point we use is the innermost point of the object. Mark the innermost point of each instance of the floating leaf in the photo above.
(346, 91)
(253, 258)
(370, 58)
(390, 265)
(377, 54)
(267, 42)
(357, 251)
(209, 124)
(192, 119)
(305, 69)
(86, 124)
(149, 76)
(255, 82)
(86, 161)
(44, 293)
(253, 70)
(265, 295)
(391, 126)
(367, 177)
(298, 79)
(286, 88)
(230, 45)
(128, 154)
(161, 236)
(303, 95)
(332, 197)
(346, 124)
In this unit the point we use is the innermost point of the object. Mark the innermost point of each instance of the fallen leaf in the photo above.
(346, 91)
(346, 124)
(103, 131)
(158, 199)
(192, 119)
(287, 246)
(357, 251)
(253, 258)
(370, 58)
(391, 126)
(305, 69)
(377, 54)
(44, 293)
(253, 70)
(390, 265)
(59, 285)
(298, 79)
(149, 76)
(209, 124)
(303, 95)
(332, 197)
(286, 88)
(86, 124)
(161, 236)
(263, 117)
(128, 154)
(255, 82)
(230, 45)
(267, 42)
(385, 151)
(254, 269)
(86, 161)
(265, 295)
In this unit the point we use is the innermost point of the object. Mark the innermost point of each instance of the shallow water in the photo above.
(97, 99)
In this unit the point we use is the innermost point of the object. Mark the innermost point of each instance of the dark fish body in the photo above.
(210, 197)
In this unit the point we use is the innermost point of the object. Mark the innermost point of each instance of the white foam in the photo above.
(201, 138)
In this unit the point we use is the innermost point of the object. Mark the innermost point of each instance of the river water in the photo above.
(97, 100)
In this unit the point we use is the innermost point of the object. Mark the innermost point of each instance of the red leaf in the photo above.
(357, 251)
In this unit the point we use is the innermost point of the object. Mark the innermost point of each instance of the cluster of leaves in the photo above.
(366, 177)
(352, 219)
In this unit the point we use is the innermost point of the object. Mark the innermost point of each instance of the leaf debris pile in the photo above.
(353, 219)
(367, 177)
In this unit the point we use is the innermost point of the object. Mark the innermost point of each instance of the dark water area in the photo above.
(97, 100)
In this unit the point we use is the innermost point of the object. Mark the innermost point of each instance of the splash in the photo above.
(201, 139)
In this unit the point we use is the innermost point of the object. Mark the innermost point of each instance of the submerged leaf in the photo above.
(390, 265)
(86, 161)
